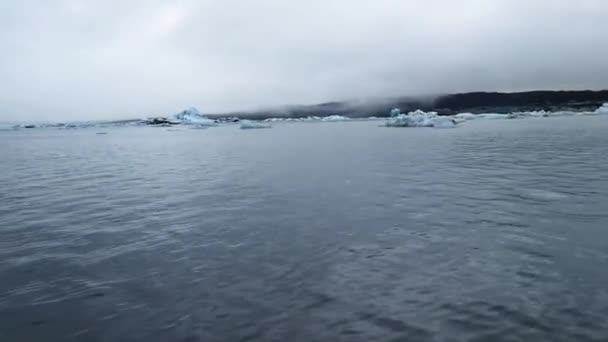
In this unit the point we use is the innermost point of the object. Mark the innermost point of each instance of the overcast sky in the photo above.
(101, 59)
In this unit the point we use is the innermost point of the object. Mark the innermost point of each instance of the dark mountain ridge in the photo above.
(475, 102)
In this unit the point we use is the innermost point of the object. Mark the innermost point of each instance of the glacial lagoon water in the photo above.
(496, 230)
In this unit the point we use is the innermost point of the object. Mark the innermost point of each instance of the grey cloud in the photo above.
(74, 59)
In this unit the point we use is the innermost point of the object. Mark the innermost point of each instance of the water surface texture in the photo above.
(345, 231)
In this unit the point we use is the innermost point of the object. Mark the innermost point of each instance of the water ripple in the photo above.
(488, 232)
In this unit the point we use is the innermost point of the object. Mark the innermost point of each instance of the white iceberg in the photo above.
(334, 118)
(310, 118)
(274, 119)
(419, 118)
(603, 109)
(248, 124)
(533, 114)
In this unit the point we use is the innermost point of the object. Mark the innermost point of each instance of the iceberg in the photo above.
(538, 114)
(248, 124)
(492, 116)
(192, 116)
(310, 118)
(603, 109)
(274, 119)
(465, 116)
(419, 118)
(334, 118)
(523, 115)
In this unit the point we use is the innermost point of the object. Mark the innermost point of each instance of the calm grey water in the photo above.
(492, 231)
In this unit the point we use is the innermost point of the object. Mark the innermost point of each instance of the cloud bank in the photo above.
(103, 59)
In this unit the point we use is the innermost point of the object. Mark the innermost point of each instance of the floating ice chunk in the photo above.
(202, 121)
(560, 113)
(524, 115)
(603, 109)
(419, 119)
(412, 119)
(492, 116)
(333, 118)
(465, 116)
(248, 124)
(536, 114)
(192, 116)
(187, 114)
(227, 119)
(310, 118)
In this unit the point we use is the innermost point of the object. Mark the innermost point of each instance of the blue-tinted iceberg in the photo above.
(192, 116)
